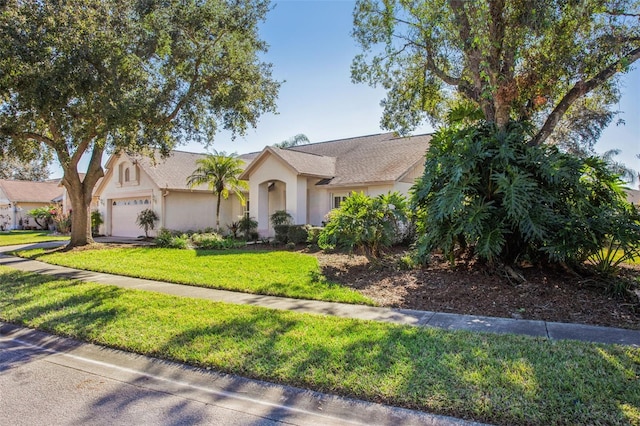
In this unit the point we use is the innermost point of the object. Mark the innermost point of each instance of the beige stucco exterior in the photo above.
(180, 210)
(274, 185)
(306, 182)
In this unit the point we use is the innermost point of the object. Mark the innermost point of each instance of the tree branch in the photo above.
(581, 88)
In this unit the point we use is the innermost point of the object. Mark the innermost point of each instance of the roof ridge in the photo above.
(341, 139)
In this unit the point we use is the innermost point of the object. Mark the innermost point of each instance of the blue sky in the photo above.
(311, 50)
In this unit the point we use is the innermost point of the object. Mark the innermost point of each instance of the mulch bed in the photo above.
(546, 294)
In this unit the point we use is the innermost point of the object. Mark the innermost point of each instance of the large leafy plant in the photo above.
(490, 192)
(366, 223)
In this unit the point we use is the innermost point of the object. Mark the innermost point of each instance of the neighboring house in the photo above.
(307, 181)
(19, 197)
(135, 183)
(633, 196)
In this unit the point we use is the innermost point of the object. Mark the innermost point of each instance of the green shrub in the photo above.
(490, 193)
(282, 233)
(211, 241)
(281, 217)
(365, 223)
(313, 232)
(163, 239)
(96, 221)
(247, 226)
(171, 239)
(298, 234)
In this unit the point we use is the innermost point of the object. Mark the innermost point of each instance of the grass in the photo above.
(28, 237)
(277, 273)
(491, 378)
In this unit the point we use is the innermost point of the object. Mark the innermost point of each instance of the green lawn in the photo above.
(9, 238)
(278, 273)
(491, 378)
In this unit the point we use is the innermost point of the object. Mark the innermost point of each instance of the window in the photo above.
(127, 175)
(246, 209)
(337, 200)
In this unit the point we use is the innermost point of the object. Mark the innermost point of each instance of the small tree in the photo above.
(147, 219)
(43, 216)
(220, 172)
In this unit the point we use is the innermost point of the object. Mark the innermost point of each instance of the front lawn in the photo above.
(492, 378)
(277, 273)
(10, 238)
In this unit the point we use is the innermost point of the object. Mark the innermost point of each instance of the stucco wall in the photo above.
(285, 185)
(111, 190)
(197, 210)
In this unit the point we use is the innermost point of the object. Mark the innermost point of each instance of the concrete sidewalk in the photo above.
(549, 330)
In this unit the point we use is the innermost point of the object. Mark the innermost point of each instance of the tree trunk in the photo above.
(80, 193)
(80, 221)
(218, 213)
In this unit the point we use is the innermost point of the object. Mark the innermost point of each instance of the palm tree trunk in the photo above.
(218, 213)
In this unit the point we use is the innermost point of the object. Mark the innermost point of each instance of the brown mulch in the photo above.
(545, 294)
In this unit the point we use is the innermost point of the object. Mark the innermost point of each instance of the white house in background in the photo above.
(19, 197)
(307, 181)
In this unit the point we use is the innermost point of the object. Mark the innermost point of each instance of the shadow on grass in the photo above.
(503, 379)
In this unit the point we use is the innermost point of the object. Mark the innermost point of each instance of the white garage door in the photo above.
(124, 212)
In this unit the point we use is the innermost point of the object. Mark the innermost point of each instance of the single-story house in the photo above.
(307, 181)
(19, 197)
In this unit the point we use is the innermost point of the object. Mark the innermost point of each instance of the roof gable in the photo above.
(301, 163)
(171, 172)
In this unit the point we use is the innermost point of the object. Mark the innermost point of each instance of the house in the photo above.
(135, 183)
(307, 181)
(19, 197)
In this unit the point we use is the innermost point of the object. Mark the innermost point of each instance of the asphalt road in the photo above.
(48, 380)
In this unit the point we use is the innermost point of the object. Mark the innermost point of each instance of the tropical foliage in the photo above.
(366, 223)
(220, 172)
(147, 219)
(488, 191)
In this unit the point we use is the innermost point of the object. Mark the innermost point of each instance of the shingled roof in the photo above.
(376, 158)
(26, 191)
(172, 172)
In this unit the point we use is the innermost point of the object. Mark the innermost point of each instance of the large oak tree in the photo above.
(550, 62)
(85, 77)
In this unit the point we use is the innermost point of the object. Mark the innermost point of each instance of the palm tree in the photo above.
(626, 174)
(299, 139)
(220, 171)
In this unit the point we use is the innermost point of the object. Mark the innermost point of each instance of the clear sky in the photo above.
(311, 49)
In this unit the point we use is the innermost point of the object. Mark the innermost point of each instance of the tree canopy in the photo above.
(549, 62)
(36, 169)
(86, 77)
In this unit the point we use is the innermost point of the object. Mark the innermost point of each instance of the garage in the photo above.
(124, 212)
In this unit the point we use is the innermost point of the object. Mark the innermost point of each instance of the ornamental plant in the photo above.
(489, 193)
(364, 223)
(146, 220)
